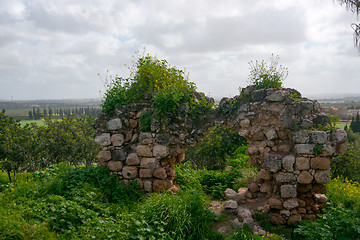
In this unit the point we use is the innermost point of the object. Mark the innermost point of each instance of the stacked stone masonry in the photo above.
(293, 156)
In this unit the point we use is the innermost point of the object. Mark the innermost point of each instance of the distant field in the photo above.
(342, 125)
(37, 122)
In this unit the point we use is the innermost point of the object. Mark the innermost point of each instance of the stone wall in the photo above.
(287, 137)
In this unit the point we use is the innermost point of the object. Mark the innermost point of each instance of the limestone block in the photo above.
(145, 173)
(288, 191)
(288, 163)
(132, 159)
(304, 148)
(230, 194)
(117, 140)
(139, 182)
(245, 123)
(305, 177)
(150, 163)
(134, 138)
(339, 135)
(146, 138)
(283, 177)
(270, 133)
(163, 139)
(275, 203)
(320, 163)
(277, 219)
(301, 137)
(294, 219)
(322, 176)
(159, 185)
(253, 187)
(285, 212)
(144, 151)
(115, 166)
(133, 123)
(266, 187)
(118, 155)
(308, 105)
(341, 148)
(285, 148)
(263, 174)
(147, 186)
(104, 156)
(273, 163)
(114, 124)
(170, 171)
(302, 163)
(160, 173)
(103, 139)
(243, 213)
(319, 137)
(321, 198)
(277, 96)
(291, 203)
(230, 205)
(130, 172)
(129, 135)
(306, 124)
(160, 151)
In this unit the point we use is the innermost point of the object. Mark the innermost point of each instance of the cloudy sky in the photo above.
(54, 49)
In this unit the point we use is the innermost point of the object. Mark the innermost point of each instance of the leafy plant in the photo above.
(318, 149)
(145, 121)
(263, 76)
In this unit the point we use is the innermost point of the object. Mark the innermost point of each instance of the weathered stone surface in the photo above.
(243, 213)
(328, 150)
(294, 219)
(230, 205)
(322, 176)
(163, 139)
(230, 194)
(263, 174)
(146, 138)
(339, 135)
(159, 185)
(245, 123)
(103, 139)
(305, 177)
(150, 163)
(114, 124)
(288, 191)
(104, 156)
(304, 148)
(288, 163)
(321, 198)
(160, 173)
(130, 172)
(160, 151)
(132, 159)
(320, 163)
(115, 166)
(291, 203)
(277, 219)
(285, 212)
(273, 163)
(147, 186)
(118, 155)
(277, 96)
(270, 133)
(117, 140)
(301, 137)
(144, 151)
(145, 173)
(266, 187)
(283, 177)
(302, 163)
(341, 148)
(253, 187)
(275, 203)
(319, 137)
(133, 123)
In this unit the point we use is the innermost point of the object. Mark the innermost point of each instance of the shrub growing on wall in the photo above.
(154, 80)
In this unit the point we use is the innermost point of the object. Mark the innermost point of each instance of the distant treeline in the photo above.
(39, 113)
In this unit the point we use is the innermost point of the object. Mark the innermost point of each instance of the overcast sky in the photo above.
(54, 49)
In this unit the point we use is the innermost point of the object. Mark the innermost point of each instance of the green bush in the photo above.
(180, 216)
(348, 164)
(263, 76)
(213, 152)
(153, 80)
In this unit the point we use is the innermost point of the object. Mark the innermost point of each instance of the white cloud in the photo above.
(54, 49)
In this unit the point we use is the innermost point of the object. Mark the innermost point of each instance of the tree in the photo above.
(355, 123)
(354, 6)
(30, 115)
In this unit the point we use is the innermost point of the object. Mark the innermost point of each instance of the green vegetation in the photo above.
(264, 76)
(155, 81)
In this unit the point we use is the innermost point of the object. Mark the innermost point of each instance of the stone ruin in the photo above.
(288, 140)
